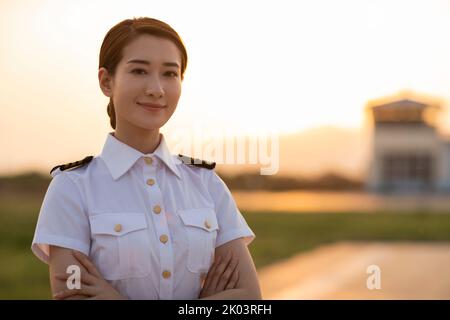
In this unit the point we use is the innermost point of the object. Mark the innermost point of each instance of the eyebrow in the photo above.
(168, 64)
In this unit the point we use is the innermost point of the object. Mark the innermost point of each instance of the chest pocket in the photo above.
(120, 245)
(201, 229)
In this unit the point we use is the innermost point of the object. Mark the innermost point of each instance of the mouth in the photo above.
(151, 106)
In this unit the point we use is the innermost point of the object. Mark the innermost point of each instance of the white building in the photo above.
(408, 153)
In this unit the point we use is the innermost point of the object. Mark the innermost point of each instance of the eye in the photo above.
(172, 72)
(138, 71)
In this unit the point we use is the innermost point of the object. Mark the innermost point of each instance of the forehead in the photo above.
(152, 48)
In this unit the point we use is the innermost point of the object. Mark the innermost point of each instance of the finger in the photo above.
(90, 267)
(207, 280)
(61, 276)
(217, 260)
(84, 260)
(227, 273)
(234, 279)
(237, 278)
(201, 294)
(86, 278)
(202, 279)
(219, 270)
(84, 290)
(64, 294)
(235, 271)
(206, 287)
(202, 283)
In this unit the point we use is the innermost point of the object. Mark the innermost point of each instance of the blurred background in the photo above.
(356, 91)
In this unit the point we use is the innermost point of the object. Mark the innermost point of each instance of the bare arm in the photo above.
(60, 258)
(247, 287)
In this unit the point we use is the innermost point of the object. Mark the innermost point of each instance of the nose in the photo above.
(154, 93)
(154, 88)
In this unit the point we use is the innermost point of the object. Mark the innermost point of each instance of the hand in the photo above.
(93, 286)
(222, 275)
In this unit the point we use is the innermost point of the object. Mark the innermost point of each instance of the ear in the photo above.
(105, 82)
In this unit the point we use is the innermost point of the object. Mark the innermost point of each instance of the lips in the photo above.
(151, 106)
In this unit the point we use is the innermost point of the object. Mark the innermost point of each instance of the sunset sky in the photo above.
(254, 67)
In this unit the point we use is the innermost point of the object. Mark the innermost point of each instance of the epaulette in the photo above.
(71, 165)
(197, 162)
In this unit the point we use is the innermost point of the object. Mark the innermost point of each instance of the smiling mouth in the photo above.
(151, 107)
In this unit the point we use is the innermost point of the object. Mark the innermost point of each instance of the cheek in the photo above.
(126, 95)
(173, 92)
(124, 100)
(127, 83)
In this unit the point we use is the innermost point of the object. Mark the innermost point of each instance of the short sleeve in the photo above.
(62, 220)
(232, 224)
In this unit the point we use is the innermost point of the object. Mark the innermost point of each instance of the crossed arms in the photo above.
(232, 276)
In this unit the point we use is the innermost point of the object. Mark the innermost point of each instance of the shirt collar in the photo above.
(120, 157)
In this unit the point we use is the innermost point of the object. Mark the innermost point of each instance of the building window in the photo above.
(407, 170)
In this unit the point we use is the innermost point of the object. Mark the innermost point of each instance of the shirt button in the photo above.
(118, 227)
(163, 238)
(157, 209)
(150, 182)
(207, 225)
(166, 274)
(148, 160)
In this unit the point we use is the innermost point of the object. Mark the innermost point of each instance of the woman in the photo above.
(139, 222)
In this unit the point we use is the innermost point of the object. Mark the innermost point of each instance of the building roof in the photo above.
(404, 111)
(403, 103)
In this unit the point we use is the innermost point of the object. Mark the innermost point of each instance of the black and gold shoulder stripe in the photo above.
(197, 162)
(72, 165)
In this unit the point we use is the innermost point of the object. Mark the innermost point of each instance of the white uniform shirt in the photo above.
(149, 222)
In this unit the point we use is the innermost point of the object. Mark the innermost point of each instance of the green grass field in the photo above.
(278, 236)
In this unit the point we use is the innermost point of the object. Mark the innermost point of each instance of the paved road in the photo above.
(339, 271)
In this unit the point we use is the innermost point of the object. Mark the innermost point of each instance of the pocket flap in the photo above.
(117, 223)
(204, 218)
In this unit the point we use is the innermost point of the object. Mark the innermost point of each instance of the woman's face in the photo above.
(149, 73)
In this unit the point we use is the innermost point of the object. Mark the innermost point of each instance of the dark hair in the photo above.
(122, 34)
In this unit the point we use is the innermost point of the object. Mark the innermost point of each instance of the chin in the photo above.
(152, 125)
(147, 123)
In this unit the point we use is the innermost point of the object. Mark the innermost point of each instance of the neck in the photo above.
(143, 140)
